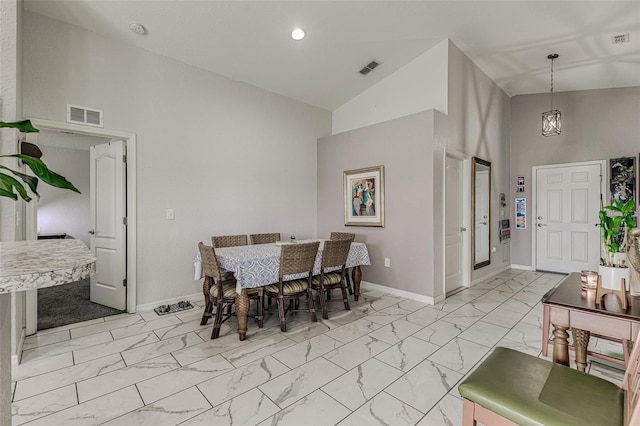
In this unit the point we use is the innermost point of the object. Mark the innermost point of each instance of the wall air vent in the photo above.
(369, 67)
(82, 115)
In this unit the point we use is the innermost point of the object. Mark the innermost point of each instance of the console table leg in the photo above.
(580, 341)
(357, 277)
(242, 311)
(560, 345)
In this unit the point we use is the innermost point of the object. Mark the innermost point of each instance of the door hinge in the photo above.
(124, 159)
(124, 220)
(124, 282)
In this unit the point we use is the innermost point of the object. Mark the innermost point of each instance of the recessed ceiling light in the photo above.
(297, 34)
(137, 28)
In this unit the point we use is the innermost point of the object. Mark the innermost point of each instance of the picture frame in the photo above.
(364, 197)
(623, 179)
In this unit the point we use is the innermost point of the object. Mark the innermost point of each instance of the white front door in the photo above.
(567, 206)
(108, 229)
(453, 224)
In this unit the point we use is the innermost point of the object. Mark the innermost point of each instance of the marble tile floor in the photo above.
(387, 361)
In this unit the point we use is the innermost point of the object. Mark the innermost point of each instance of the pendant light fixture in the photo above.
(551, 123)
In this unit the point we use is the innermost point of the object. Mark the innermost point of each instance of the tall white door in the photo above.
(108, 229)
(567, 206)
(453, 224)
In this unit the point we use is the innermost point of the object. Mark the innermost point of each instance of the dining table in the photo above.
(258, 265)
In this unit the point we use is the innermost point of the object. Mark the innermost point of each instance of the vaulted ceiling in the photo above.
(250, 41)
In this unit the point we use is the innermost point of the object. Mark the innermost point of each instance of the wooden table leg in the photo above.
(580, 342)
(560, 345)
(242, 311)
(545, 330)
(356, 274)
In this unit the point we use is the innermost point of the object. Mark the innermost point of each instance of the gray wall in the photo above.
(479, 118)
(227, 156)
(404, 147)
(596, 125)
(66, 211)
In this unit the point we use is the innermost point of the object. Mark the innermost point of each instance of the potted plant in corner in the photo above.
(11, 187)
(612, 265)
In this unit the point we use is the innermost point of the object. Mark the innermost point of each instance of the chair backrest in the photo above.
(335, 253)
(229, 240)
(342, 236)
(210, 265)
(631, 385)
(264, 238)
(298, 258)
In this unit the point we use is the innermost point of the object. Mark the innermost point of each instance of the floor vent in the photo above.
(83, 115)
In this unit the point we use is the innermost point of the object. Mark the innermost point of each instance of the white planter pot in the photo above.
(611, 277)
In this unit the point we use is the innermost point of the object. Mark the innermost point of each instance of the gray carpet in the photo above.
(68, 304)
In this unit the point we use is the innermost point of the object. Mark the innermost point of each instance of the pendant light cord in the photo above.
(551, 109)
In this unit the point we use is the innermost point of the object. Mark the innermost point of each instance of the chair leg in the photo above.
(260, 314)
(345, 299)
(218, 319)
(207, 313)
(312, 308)
(348, 281)
(323, 303)
(283, 322)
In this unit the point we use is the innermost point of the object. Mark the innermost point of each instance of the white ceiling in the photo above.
(249, 41)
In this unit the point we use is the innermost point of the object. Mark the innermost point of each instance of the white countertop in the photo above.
(27, 265)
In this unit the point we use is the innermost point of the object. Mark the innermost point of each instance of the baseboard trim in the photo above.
(15, 358)
(490, 275)
(401, 293)
(523, 267)
(152, 305)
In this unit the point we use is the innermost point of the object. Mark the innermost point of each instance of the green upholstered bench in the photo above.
(511, 387)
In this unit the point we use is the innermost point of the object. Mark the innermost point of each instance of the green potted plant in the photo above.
(612, 227)
(11, 187)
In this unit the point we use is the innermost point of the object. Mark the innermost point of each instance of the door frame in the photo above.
(604, 176)
(31, 214)
(466, 216)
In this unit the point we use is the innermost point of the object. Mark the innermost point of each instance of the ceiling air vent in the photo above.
(83, 115)
(620, 38)
(369, 67)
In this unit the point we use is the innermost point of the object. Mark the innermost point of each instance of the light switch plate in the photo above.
(171, 214)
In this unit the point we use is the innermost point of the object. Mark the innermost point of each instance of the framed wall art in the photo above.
(364, 197)
(623, 179)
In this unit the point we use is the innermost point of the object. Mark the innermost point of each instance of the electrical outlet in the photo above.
(387, 262)
(171, 214)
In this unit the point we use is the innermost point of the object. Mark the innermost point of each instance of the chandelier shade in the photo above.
(551, 122)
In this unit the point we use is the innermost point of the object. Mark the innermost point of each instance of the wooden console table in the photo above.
(28, 265)
(566, 307)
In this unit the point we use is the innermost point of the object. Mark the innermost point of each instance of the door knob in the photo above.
(483, 223)
(91, 231)
(540, 225)
(463, 229)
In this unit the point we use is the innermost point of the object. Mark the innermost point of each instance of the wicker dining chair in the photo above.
(264, 238)
(344, 236)
(294, 259)
(334, 255)
(220, 291)
(220, 241)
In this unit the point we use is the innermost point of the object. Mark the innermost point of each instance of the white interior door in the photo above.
(567, 206)
(108, 229)
(453, 224)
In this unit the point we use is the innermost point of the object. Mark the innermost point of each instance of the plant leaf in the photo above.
(24, 126)
(42, 171)
(29, 180)
(9, 183)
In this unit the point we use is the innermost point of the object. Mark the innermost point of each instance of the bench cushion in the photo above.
(533, 391)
